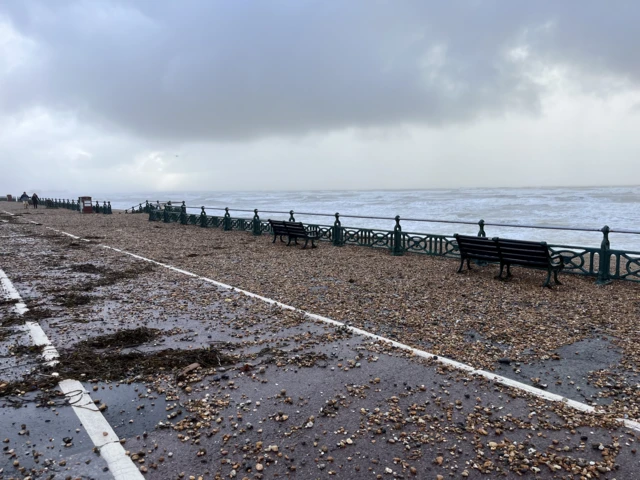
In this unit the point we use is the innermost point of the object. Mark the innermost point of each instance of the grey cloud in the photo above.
(221, 70)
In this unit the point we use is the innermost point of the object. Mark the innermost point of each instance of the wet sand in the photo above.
(331, 403)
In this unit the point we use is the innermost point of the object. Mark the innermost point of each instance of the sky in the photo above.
(162, 95)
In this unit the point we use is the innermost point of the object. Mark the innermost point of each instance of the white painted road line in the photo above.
(40, 339)
(10, 293)
(102, 435)
(632, 424)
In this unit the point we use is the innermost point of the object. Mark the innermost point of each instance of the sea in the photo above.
(588, 208)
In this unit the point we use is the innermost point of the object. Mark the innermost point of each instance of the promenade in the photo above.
(257, 390)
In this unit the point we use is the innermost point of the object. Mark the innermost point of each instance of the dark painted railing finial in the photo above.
(203, 218)
(481, 231)
(604, 267)
(227, 219)
(183, 213)
(337, 231)
(257, 226)
(397, 248)
(291, 217)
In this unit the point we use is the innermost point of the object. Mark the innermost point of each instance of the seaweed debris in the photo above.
(73, 299)
(122, 338)
(33, 314)
(87, 268)
(82, 362)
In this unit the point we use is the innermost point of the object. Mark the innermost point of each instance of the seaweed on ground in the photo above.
(122, 338)
(102, 358)
(87, 268)
(117, 365)
(73, 299)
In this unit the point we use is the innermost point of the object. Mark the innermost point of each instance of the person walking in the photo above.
(35, 199)
(24, 198)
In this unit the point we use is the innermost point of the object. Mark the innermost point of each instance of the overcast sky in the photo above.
(329, 94)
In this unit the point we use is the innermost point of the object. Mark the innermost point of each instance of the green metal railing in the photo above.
(74, 205)
(603, 263)
(147, 206)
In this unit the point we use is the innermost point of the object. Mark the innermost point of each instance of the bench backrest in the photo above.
(296, 228)
(278, 227)
(480, 248)
(522, 252)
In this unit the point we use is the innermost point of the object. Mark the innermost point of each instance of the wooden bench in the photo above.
(482, 249)
(508, 252)
(278, 229)
(296, 230)
(293, 230)
(530, 255)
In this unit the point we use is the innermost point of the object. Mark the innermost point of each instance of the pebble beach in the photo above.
(267, 392)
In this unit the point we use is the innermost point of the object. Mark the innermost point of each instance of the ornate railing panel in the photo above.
(578, 260)
(242, 224)
(324, 232)
(625, 265)
(366, 237)
(430, 244)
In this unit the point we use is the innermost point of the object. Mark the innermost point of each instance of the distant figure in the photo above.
(34, 199)
(24, 198)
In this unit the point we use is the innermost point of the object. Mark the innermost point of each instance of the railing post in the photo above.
(146, 206)
(104, 207)
(203, 218)
(481, 231)
(604, 269)
(183, 214)
(109, 211)
(227, 220)
(257, 227)
(397, 248)
(291, 217)
(165, 217)
(337, 231)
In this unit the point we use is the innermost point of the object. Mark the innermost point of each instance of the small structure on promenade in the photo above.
(85, 205)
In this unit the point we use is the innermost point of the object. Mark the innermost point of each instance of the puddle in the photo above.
(132, 409)
(568, 376)
(34, 431)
